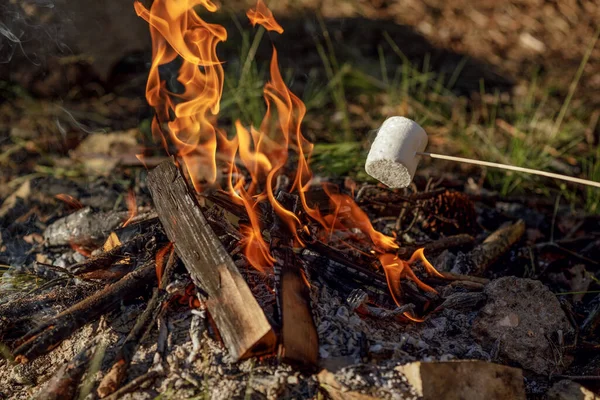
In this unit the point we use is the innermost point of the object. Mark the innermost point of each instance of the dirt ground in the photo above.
(73, 116)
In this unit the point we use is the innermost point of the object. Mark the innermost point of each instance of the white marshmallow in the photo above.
(392, 159)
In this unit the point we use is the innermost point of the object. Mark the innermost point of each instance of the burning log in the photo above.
(54, 330)
(240, 320)
(299, 338)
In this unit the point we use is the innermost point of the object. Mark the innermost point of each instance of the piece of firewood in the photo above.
(299, 337)
(240, 320)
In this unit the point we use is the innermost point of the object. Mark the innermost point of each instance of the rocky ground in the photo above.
(70, 127)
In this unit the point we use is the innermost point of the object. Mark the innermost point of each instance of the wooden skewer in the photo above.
(512, 168)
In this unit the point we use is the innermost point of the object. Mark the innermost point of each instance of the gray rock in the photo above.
(567, 390)
(521, 315)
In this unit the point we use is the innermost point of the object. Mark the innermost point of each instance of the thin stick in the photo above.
(511, 168)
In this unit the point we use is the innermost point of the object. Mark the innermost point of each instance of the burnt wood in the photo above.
(494, 246)
(299, 337)
(240, 320)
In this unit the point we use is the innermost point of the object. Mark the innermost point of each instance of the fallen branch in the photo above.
(112, 380)
(107, 258)
(438, 245)
(64, 382)
(22, 314)
(53, 331)
(135, 383)
(498, 243)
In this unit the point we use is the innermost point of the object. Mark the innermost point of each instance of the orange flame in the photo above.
(263, 16)
(186, 119)
(160, 260)
(131, 207)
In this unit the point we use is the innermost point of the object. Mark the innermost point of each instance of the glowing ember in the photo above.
(161, 256)
(186, 119)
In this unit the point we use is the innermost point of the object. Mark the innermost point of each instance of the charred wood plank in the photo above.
(239, 319)
(346, 277)
(53, 331)
(299, 337)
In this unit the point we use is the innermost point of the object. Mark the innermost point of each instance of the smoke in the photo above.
(31, 29)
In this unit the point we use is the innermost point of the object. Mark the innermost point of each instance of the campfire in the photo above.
(264, 257)
(264, 171)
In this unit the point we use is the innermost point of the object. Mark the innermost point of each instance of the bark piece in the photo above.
(464, 380)
(240, 320)
(494, 246)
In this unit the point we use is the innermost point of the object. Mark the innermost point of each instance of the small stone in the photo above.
(78, 257)
(567, 390)
(292, 380)
(511, 320)
(376, 348)
(342, 314)
(444, 380)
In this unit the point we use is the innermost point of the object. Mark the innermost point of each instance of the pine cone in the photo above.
(449, 213)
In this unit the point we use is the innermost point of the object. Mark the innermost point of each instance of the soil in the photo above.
(534, 308)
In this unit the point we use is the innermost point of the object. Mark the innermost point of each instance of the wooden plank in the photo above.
(299, 337)
(240, 320)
